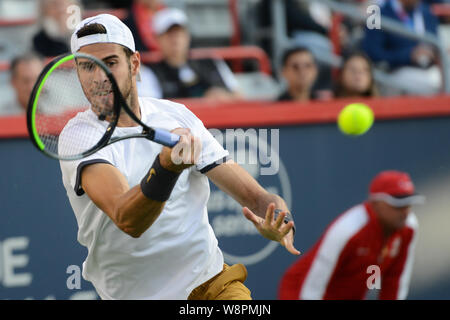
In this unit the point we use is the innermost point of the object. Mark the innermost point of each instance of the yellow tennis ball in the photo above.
(355, 119)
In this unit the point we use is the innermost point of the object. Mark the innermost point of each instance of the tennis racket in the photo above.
(75, 107)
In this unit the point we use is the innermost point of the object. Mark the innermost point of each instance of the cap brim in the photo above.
(398, 201)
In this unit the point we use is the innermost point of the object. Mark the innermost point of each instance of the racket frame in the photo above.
(160, 136)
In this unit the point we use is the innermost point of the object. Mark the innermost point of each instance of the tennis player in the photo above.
(370, 246)
(141, 207)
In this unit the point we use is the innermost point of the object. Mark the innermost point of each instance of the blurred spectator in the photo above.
(139, 20)
(356, 77)
(181, 77)
(24, 71)
(299, 18)
(411, 63)
(307, 25)
(378, 234)
(300, 71)
(56, 22)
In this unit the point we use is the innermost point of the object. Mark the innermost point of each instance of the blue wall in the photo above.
(328, 172)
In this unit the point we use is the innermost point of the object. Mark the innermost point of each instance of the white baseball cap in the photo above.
(164, 19)
(116, 32)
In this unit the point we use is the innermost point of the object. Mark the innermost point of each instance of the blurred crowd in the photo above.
(326, 56)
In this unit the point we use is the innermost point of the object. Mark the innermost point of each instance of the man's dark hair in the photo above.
(96, 28)
(22, 58)
(291, 51)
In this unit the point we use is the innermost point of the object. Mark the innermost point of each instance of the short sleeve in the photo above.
(70, 140)
(178, 115)
(212, 153)
(71, 170)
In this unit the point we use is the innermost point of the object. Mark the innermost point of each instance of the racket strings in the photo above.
(68, 108)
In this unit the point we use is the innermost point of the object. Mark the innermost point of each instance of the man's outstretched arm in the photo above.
(258, 204)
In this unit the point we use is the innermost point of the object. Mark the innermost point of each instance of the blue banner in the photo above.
(319, 172)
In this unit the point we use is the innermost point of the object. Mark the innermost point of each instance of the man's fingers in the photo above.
(286, 228)
(186, 152)
(280, 219)
(177, 151)
(270, 213)
(196, 149)
(290, 247)
(181, 131)
(251, 216)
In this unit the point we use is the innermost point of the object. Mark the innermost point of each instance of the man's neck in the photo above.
(124, 119)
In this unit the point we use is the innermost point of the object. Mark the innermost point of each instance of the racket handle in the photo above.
(166, 138)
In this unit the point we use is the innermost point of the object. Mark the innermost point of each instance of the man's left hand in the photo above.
(275, 230)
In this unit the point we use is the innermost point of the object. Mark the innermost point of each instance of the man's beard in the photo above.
(104, 107)
(127, 93)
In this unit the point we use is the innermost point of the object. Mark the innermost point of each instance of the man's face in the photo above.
(175, 42)
(23, 79)
(96, 84)
(391, 217)
(300, 71)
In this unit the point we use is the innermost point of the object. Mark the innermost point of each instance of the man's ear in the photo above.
(135, 63)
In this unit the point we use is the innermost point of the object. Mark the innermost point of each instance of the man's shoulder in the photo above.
(175, 110)
(412, 222)
(349, 223)
(162, 105)
(356, 215)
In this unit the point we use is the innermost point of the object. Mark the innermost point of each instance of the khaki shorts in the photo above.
(227, 285)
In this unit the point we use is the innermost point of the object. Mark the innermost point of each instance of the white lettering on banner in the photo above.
(74, 281)
(9, 261)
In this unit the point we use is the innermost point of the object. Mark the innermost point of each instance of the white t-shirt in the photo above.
(179, 251)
